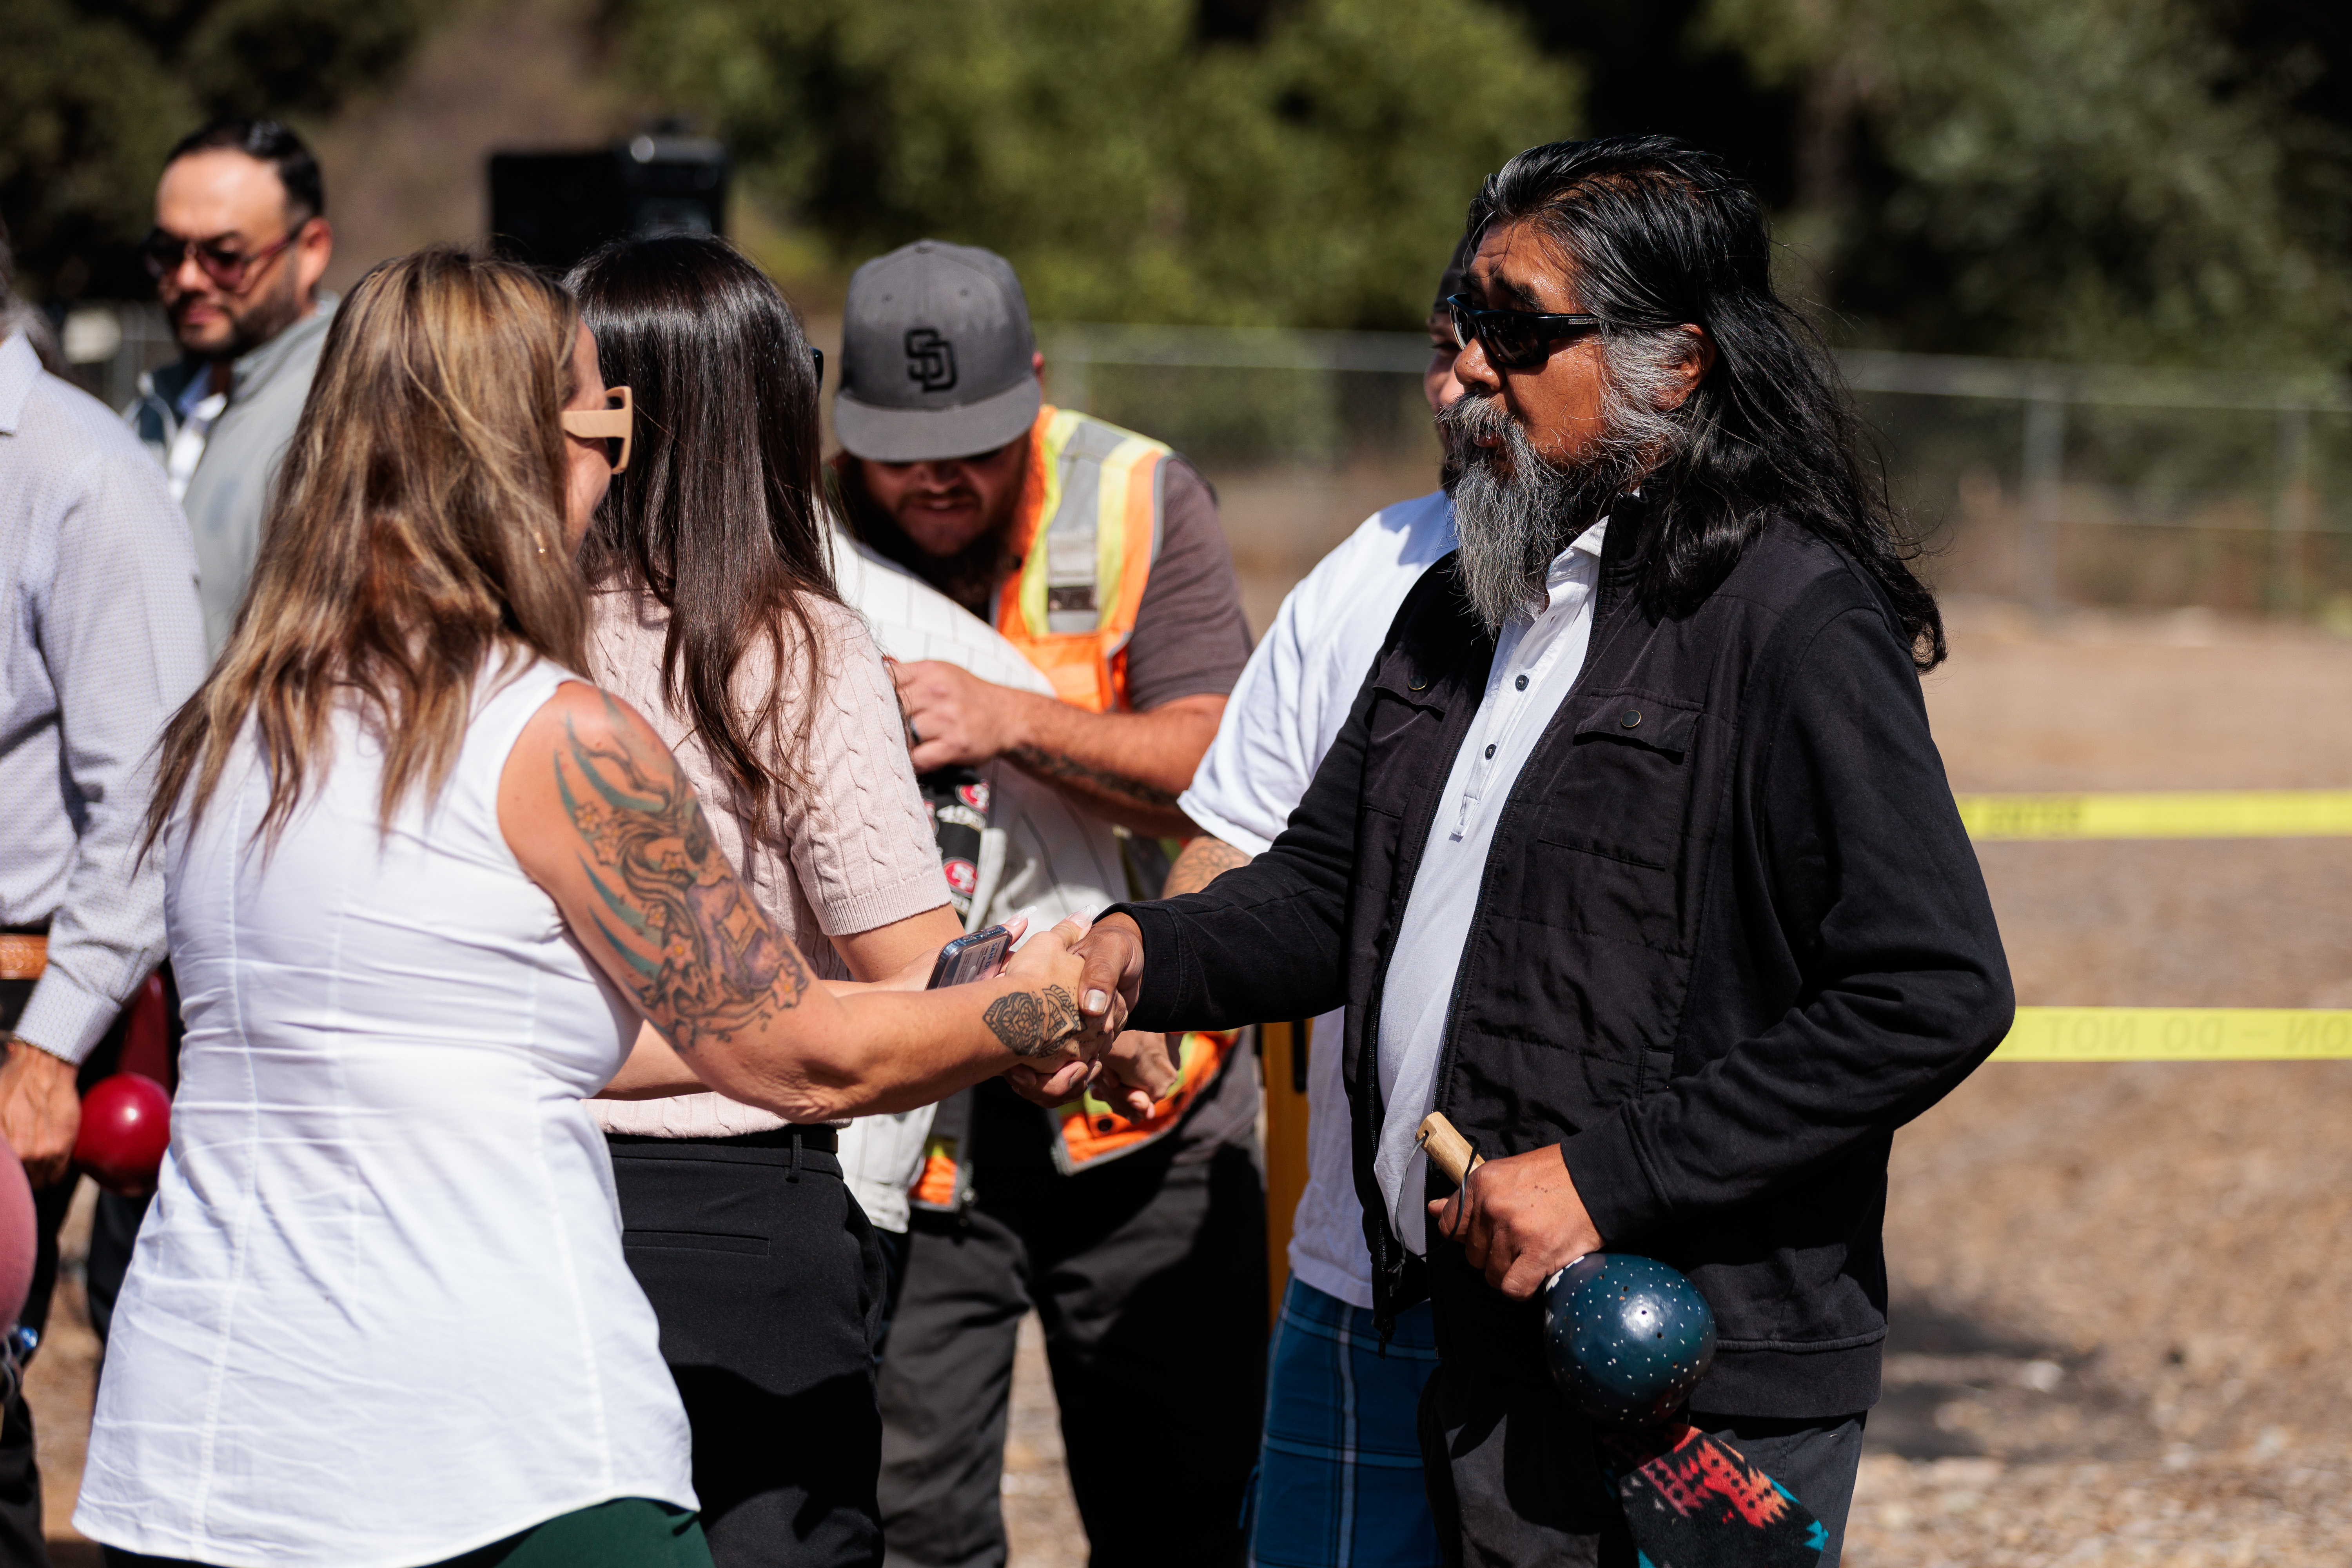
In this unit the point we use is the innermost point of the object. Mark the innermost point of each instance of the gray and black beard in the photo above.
(1514, 510)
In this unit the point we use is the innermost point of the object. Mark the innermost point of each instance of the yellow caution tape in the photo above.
(2177, 1035)
(2160, 813)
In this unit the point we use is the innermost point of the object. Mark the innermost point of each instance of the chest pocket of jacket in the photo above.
(1396, 758)
(1622, 797)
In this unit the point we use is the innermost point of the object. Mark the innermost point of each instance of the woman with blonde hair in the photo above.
(422, 883)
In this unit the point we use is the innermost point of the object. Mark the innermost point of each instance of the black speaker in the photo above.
(553, 209)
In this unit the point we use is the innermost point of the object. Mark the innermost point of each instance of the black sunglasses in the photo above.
(1515, 340)
(817, 355)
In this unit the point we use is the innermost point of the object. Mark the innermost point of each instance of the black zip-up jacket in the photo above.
(1730, 935)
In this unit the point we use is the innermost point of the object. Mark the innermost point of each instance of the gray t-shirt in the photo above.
(1190, 640)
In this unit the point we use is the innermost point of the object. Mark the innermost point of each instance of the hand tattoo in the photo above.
(1053, 765)
(708, 959)
(1032, 1025)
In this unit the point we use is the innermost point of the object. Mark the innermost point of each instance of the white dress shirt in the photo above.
(1286, 709)
(198, 407)
(1535, 664)
(102, 639)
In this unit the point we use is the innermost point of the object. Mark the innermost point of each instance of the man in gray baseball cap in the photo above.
(1097, 551)
(954, 467)
(961, 379)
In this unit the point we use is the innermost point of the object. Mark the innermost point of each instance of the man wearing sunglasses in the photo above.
(1635, 859)
(240, 244)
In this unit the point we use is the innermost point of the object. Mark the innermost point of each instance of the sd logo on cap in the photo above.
(936, 356)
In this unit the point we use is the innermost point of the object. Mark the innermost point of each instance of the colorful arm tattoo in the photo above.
(706, 960)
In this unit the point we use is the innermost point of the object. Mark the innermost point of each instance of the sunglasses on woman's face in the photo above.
(614, 422)
(1515, 340)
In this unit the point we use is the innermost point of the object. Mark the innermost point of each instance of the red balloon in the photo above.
(126, 1124)
(18, 1241)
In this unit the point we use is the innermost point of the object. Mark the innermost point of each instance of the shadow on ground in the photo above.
(1955, 1388)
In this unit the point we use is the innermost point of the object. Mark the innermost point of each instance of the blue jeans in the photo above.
(1339, 1477)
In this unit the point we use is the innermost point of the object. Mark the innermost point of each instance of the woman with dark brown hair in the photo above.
(422, 884)
(714, 612)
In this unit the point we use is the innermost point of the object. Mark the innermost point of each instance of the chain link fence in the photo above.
(2044, 484)
(2041, 483)
(109, 347)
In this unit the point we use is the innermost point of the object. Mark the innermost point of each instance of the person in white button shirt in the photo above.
(1339, 1449)
(103, 640)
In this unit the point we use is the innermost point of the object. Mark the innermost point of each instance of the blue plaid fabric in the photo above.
(1339, 1478)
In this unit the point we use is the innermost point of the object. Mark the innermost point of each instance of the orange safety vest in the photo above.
(1088, 1133)
(1086, 529)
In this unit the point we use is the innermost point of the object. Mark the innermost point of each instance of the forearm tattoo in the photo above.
(1053, 765)
(1032, 1025)
(708, 959)
(1203, 861)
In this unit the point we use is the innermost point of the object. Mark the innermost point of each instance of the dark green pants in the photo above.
(628, 1532)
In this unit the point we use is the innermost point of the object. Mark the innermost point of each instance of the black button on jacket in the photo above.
(1730, 935)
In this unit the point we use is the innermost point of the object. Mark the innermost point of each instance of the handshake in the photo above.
(1074, 1049)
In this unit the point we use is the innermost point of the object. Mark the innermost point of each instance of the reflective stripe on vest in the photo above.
(1087, 533)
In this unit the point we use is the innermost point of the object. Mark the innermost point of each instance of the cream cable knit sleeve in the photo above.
(860, 840)
(851, 851)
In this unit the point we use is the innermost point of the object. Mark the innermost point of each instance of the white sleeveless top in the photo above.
(379, 1313)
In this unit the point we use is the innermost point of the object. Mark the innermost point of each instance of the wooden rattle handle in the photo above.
(1447, 1148)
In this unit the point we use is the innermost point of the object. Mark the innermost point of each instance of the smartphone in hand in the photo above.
(973, 957)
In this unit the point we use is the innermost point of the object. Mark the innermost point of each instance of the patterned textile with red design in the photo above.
(1692, 1501)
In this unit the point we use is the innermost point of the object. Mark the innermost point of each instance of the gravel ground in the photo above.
(2119, 1336)
(1041, 1517)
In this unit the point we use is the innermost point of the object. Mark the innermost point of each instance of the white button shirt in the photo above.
(101, 638)
(198, 410)
(1535, 664)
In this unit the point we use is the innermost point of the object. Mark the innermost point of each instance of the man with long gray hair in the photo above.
(1635, 859)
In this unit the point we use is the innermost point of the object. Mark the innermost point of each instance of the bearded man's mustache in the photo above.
(1513, 509)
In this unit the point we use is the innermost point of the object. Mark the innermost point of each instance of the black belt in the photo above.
(790, 1143)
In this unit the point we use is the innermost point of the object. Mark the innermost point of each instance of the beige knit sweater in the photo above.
(852, 852)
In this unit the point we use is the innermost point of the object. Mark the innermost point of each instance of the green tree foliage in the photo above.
(2093, 179)
(1304, 164)
(94, 93)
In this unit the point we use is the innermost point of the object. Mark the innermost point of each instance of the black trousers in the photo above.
(1514, 1478)
(1150, 1276)
(768, 1287)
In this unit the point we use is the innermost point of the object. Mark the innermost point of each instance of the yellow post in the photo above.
(1282, 1054)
